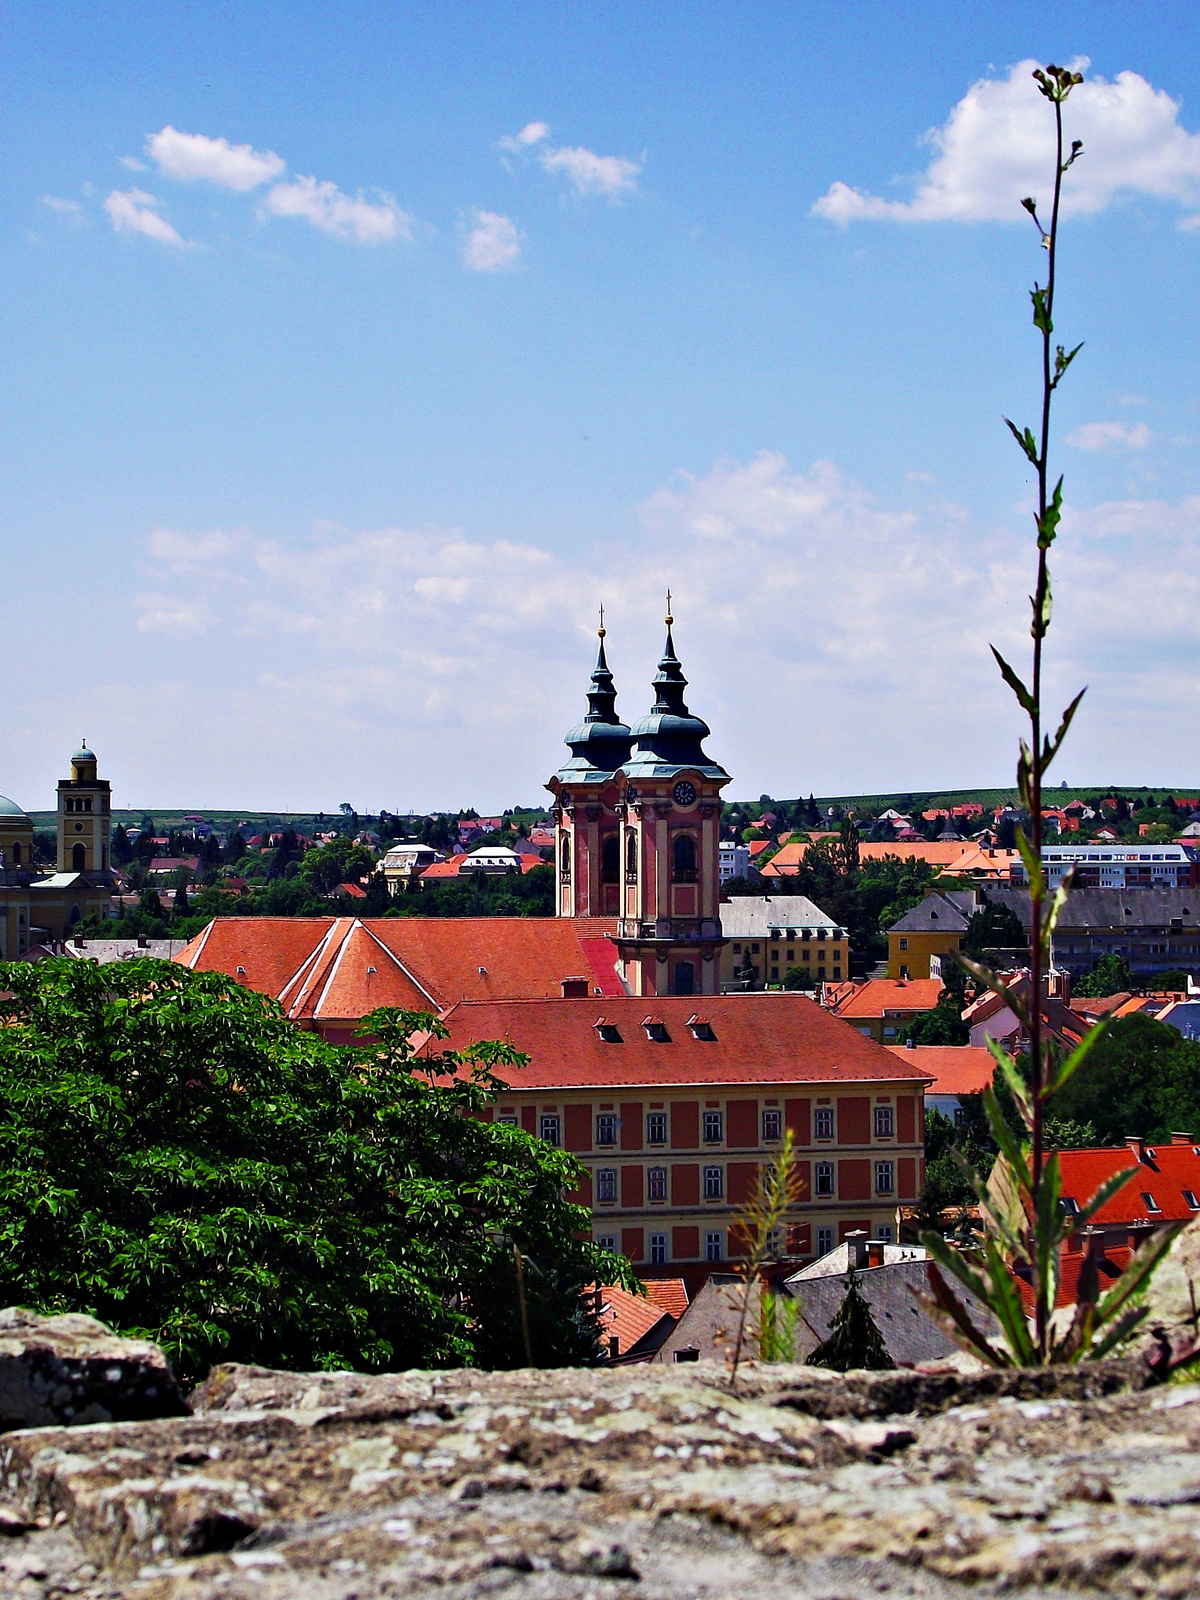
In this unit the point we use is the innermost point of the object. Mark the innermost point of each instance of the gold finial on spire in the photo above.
(669, 618)
(600, 631)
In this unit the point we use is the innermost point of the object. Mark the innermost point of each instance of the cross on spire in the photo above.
(669, 619)
(601, 630)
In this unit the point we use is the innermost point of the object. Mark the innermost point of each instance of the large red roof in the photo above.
(877, 996)
(327, 969)
(1163, 1171)
(757, 1038)
(955, 1068)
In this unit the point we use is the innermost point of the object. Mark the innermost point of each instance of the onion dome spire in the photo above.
(670, 738)
(600, 743)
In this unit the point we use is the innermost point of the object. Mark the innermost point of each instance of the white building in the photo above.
(733, 860)
(1116, 865)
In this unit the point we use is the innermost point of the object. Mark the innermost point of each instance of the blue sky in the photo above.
(356, 352)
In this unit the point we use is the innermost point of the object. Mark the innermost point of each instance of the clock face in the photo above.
(684, 793)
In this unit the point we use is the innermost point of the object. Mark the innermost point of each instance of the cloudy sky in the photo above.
(355, 353)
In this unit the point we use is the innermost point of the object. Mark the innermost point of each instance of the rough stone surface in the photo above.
(72, 1369)
(641, 1481)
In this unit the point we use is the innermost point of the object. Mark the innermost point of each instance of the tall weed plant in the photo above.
(1025, 1223)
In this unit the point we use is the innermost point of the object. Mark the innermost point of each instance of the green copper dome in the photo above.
(600, 743)
(84, 754)
(10, 808)
(670, 738)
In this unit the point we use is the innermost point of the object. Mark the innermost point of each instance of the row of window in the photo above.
(608, 1123)
(714, 1182)
(84, 804)
(714, 1243)
(683, 858)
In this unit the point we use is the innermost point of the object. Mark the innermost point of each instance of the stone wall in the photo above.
(645, 1481)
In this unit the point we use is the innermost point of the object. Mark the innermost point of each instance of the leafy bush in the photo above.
(179, 1160)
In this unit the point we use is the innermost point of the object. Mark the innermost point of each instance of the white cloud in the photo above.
(69, 210)
(133, 164)
(997, 146)
(170, 614)
(353, 651)
(1110, 436)
(593, 174)
(531, 133)
(492, 244)
(192, 156)
(327, 208)
(134, 211)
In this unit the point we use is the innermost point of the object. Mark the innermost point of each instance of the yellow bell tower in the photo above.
(84, 817)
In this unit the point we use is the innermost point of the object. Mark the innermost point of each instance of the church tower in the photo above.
(586, 790)
(84, 817)
(669, 925)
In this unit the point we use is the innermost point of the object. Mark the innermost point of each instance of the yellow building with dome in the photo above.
(38, 907)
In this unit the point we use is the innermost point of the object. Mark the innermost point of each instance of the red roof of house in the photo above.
(878, 996)
(627, 1317)
(669, 1293)
(444, 869)
(1162, 1171)
(955, 1068)
(1111, 1263)
(756, 1038)
(319, 968)
(354, 891)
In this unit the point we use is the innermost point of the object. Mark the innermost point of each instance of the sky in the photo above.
(356, 353)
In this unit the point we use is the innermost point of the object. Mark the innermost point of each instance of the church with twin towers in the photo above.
(637, 814)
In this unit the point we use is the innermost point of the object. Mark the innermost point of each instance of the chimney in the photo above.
(910, 1043)
(574, 988)
(1137, 1149)
(874, 1252)
(143, 941)
(856, 1248)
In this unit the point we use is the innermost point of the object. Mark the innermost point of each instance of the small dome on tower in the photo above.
(83, 754)
(10, 808)
(670, 737)
(600, 743)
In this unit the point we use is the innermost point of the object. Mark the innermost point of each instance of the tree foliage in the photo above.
(855, 1343)
(1111, 975)
(179, 1160)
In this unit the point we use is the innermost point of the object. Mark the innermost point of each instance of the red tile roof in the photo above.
(955, 1068)
(668, 1293)
(319, 967)
(758, 1038)
(879, 995)
(626, 1317)
(1163, 1172)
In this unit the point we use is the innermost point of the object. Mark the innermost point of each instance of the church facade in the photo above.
(637, 814)
(36, 907)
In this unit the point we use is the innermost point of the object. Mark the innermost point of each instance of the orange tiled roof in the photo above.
(626, 1317)
(955, 1068)
(758, 1038)
(1163, 1172)
(878, 995)
(668, 1293)
(319, 968)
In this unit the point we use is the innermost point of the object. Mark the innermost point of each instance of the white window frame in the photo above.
(823, 1179)
(606, 1179)
(606, 1124)
(653, 1117)
(658, 1249)
(714, 1127)
(550, 1128)
(656, 1178)
(772, 1125)
(885, 1122)
(714, 1245)
(824, 1241)
(885, 1178)
(714, 1183)
(823, 1122)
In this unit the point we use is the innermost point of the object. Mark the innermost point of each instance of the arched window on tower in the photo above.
(78, 857)
(564, 858)
(684, 858)
(16, 853)
(631, 854)
(610, 859)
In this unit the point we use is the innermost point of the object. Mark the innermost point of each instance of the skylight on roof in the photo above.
(1150, 1202)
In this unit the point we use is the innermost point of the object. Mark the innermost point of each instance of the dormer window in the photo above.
(1190, 1196)
(607, 1032)
(1149, 1201)
(701, 1029)
(656, 1030)
(1070, 1205)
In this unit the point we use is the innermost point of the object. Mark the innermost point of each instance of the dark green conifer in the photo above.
(854, 1343)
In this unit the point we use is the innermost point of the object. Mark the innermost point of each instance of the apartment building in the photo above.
(1115, 865)
(1156, 930)
(673, 1104)
(770, 934)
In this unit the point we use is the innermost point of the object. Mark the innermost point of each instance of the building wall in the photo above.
(827, 959)
(909, 953)
(614, 1137)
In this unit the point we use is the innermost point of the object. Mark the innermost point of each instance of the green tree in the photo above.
(122, 850)
(855, 1343)
(149, 903)
(378, 898)
(1111, 975)
(992, 929)
(943, 1024)
(1141, 1079)
(179, 1160)
(799, 978)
